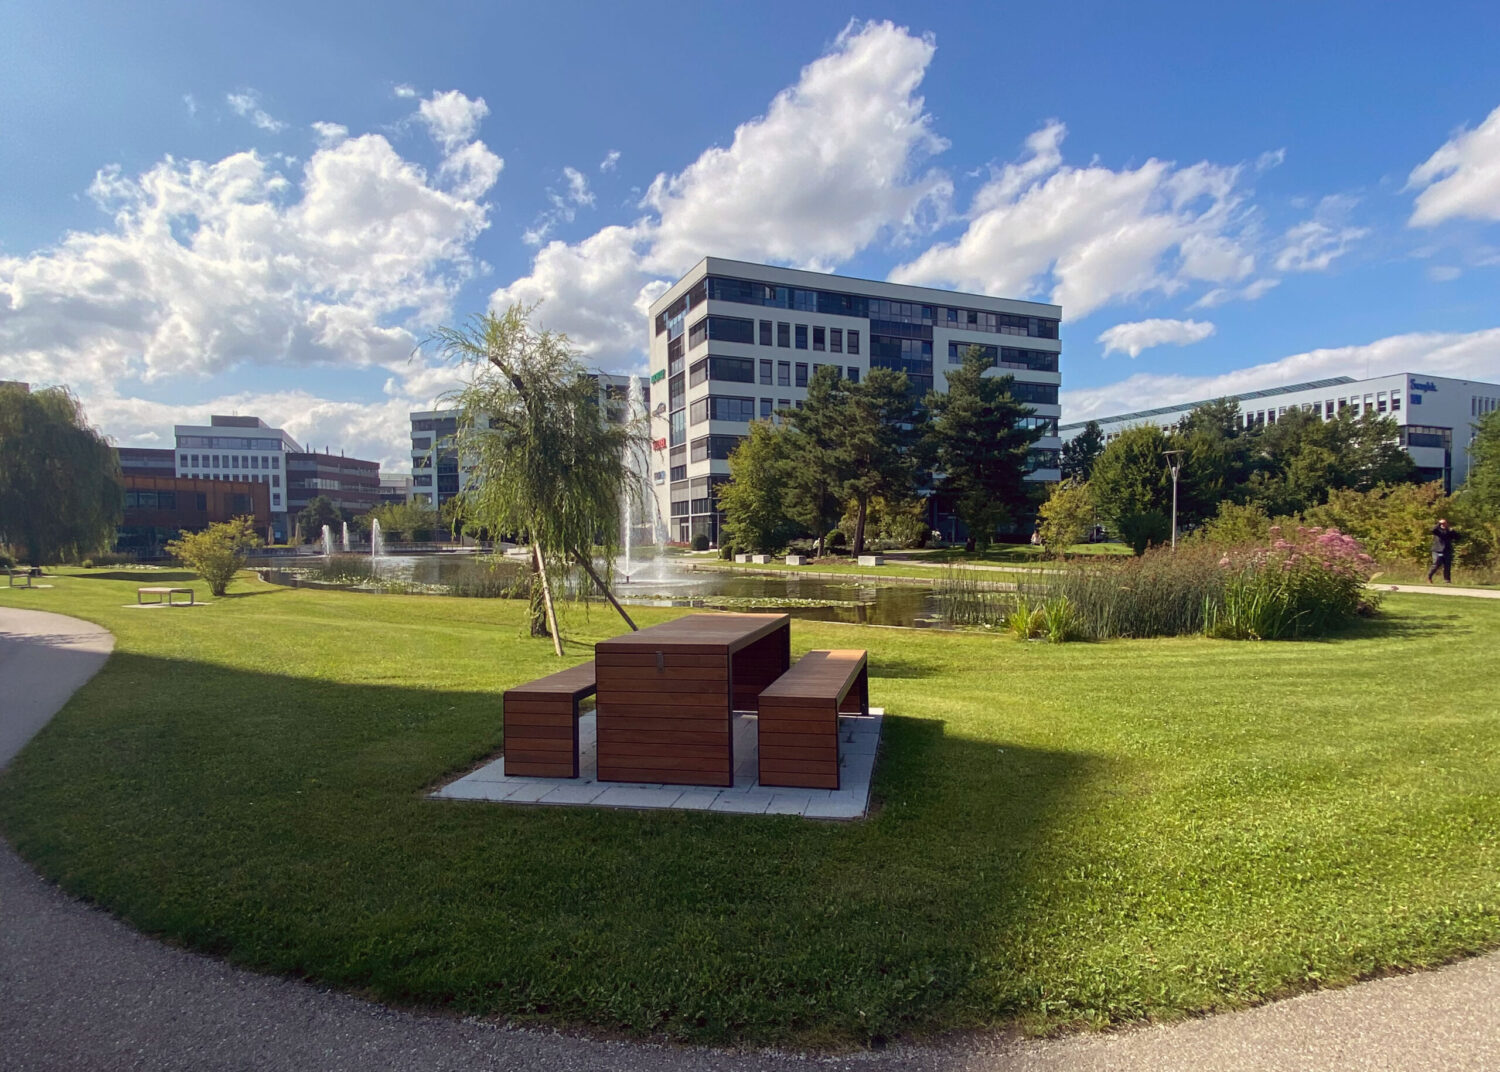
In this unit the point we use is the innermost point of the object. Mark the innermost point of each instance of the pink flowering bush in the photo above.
(1303, 583)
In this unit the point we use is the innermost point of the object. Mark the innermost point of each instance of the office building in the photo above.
(732, 342)
(1435, 414)
(395, 488)
(246, 450)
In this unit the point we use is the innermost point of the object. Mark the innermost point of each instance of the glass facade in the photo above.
(1005, 356)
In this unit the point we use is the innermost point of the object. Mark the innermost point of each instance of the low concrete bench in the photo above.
(799, 717)
(161, 593)
(541, 724)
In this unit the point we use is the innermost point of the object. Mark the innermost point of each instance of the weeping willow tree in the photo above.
(61, 494)
(544, 461)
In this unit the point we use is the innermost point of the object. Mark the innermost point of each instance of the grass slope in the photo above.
(1076, 834)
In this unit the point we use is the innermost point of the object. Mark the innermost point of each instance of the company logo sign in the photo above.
(659, 374)
(1423, 385)
(659, 444)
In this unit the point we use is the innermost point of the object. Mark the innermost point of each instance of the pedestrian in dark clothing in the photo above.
(1442, 550)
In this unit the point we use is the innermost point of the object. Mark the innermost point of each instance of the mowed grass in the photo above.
(1064, 835)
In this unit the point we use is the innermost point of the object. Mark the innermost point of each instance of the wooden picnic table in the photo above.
(667, 695)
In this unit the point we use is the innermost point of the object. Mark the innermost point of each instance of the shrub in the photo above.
(216, 553)
(1142, 529)
(726, 552)
(1066, 517)
(700, 542)
(87, 563)
(1235, 525)
(837, 541)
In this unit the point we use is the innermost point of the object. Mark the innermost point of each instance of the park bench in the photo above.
(799, 718)
(541, 724)
(18, 578)
(161, 592)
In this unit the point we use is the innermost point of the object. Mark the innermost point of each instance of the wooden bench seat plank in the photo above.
(540, 726)
(799, 718)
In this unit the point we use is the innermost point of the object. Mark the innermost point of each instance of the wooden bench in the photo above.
(24, 575)
(161, 591)
(541, 724)
(799, 718)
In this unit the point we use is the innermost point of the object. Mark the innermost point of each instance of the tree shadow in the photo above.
(288, 817)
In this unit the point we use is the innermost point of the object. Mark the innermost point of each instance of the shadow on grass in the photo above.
(285, 817)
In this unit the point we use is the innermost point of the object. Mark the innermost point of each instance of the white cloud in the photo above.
(1094, 234)
(1462, 179)
(246, 104)
(452, 118)
(1271, 158)
(1468, 355)
(1256, 288)
(330, 133)
(1443, 273)
(611, 158)
(565, 205)
(190, 102)
(836, 162)
(1143, 334)
(205, 265)
(404, 91)
(1311, 246)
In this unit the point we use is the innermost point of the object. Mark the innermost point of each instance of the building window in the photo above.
(731, 369)
(853, 341)
(275, 461)
(698, 372)
(802, 336)
(275, 480)
(765, 333)
(234, 461)
(275, 500)
(714, 447)
(853, 374)
(819, 342)
(783, 335)
(766, 409)
(783, 373)
(836, 340)
(194, 463)
(801, 373)
(722, 329)
(679, 472)
(1395, 401)
(765, 372)
(783, 403)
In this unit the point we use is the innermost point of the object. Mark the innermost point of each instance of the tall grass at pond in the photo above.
(1301, 583)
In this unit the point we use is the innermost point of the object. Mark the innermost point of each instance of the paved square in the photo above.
(859, 739)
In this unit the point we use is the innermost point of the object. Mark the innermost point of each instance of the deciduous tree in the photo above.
(754, 500)
(546, 461)
(218, 552)
(61, 494)
(1081, 452)
(1132, 487)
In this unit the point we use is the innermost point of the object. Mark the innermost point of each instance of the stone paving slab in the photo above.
(859, 743)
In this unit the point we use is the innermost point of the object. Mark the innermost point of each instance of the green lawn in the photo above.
(1065, 835)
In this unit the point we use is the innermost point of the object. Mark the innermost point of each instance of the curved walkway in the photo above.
(80, 990)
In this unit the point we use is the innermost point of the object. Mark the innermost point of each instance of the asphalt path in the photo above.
(81, 990)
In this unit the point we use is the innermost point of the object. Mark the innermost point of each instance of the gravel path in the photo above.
(80, 990)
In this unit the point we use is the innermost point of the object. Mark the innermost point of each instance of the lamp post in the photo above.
(1174, 461)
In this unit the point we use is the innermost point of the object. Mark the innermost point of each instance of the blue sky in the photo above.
(265, 210)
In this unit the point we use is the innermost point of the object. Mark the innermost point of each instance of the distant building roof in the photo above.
(1162, 411)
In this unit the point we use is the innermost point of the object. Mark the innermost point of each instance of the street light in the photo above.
(1174, 460)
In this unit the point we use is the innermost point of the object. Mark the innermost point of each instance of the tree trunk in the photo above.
(859, 526)
(588, 567)
(541, 569)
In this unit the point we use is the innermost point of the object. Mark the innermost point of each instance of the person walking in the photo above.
(1442, 550)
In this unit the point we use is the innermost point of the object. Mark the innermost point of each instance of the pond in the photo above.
(666, 584)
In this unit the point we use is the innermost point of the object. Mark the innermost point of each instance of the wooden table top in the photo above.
(699, 633)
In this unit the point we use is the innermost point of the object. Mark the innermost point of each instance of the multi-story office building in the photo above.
(351, 484)
(147, 461)
(247, 450)
(733, 342)
(1435, 414)
(395, 488)
(437, 476)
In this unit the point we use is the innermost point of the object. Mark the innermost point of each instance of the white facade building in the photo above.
(1435, 414)
(238, 448)
(733, 342)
